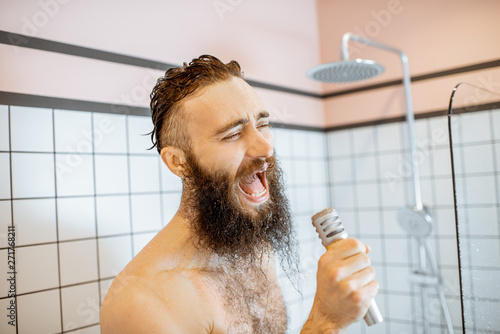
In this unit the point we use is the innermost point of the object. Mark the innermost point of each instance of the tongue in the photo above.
(251, 184)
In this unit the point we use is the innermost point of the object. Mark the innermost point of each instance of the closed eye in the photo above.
(264, 128)
(264, 124)
(239, 133)
(233, 136)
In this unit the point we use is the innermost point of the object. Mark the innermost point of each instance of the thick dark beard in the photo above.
(221, 224)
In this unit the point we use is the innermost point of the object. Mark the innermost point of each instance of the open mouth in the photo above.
(254, 186)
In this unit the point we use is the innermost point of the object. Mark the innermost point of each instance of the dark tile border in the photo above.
(37, 101)
(20, 40)
(28, 100)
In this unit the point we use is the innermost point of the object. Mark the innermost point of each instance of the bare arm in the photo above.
(131, 307)
(346, 286)
(140, 313)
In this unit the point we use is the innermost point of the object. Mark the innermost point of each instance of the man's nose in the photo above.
(260, 145)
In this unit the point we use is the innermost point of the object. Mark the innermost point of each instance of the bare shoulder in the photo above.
(134, 304)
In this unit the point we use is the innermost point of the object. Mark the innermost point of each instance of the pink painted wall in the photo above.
(431, 95)
(435, 35)
(271, 39)
(275, 41)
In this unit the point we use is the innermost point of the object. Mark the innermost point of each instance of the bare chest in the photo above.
(250, 302)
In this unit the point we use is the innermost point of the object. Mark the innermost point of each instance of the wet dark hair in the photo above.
(175, 85)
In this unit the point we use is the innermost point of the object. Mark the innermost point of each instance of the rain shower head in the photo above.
(346, 71)
(417, 223)
(359, 69)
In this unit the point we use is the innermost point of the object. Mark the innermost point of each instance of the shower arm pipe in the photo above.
(410, 117)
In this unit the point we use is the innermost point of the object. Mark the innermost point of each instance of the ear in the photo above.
(174, 158)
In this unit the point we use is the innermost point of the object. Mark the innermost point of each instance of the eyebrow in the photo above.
(242, 121)
(262, 114)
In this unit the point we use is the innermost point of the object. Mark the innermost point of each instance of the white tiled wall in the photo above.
(477, 161)
(85, 196)
(303, 156)
(369, 183)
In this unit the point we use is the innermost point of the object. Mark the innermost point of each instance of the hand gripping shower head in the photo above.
(330, 229)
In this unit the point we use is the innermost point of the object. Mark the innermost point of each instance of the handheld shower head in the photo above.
(330, 229)
(346, 71)
(417, 223)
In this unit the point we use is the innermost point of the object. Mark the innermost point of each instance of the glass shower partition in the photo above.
(474, 132)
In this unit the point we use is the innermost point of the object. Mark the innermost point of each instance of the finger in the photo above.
(355, 263)
(364, 277)
(372, 288)
(345, 248)
(367, 293)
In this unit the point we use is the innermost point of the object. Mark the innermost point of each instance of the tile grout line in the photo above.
(382, 226)
(435, 233)
(80, 328)
(467, 227)
(96, 223)
(170, 192)
(355, 209)
(355, 204)
(59, 271)
(82, 239)
(495, 165)
(129, 178)
(110, 153)
(329, 170)
(63, 286)
(160, 181)
(403, 153)
(309, 167)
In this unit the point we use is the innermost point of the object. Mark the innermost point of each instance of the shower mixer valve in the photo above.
(330, 229)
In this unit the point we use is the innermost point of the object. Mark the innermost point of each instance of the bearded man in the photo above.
(211, 269)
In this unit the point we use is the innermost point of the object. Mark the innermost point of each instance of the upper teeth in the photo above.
(259, 194)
